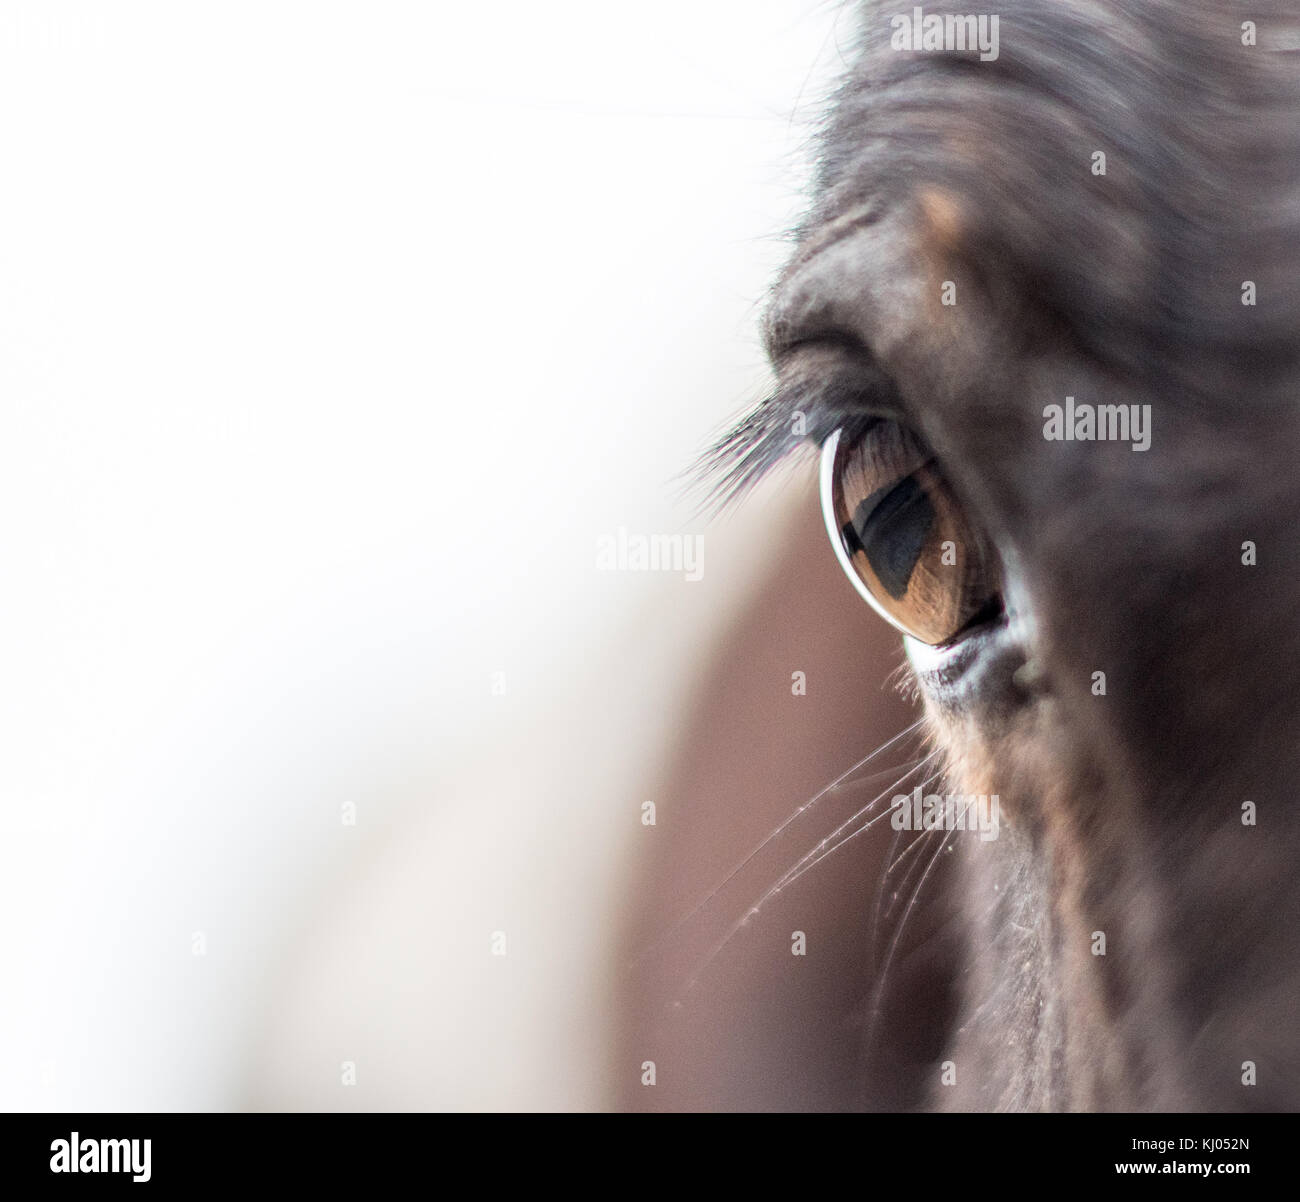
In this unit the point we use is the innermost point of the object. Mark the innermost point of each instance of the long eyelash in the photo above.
(747, 452)
(767, 435)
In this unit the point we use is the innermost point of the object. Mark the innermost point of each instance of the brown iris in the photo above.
(903, 536)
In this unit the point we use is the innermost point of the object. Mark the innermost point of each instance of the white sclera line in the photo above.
(837, 539)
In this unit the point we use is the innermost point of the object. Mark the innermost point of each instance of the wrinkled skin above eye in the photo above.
(903, 536)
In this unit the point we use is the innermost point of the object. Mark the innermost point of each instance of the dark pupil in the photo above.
(890, 527)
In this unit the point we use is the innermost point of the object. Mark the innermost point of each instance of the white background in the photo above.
(331, 337)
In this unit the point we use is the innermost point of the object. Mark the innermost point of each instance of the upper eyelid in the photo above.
(842, 377)
(781, 346)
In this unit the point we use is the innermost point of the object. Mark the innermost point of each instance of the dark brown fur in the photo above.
(1123, 811)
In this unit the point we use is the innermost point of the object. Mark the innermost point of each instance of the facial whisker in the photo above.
(839, 782)
(794, 872)
(879, 990)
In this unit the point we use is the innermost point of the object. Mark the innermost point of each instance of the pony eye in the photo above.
(902, 536)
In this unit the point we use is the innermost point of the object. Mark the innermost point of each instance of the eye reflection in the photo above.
(889, 528)
(902, 536)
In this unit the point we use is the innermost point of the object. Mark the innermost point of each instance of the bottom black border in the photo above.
(388, 1152)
